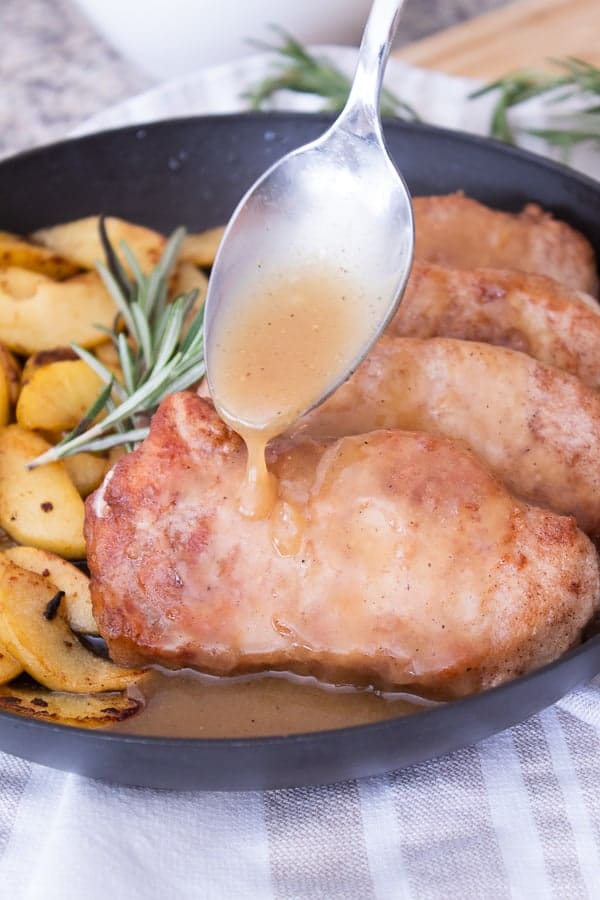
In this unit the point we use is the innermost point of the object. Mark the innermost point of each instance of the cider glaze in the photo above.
(190, 705)
(278, 350)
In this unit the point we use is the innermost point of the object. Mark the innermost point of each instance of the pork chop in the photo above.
(535, 427)
(456, 231)
(416, 569)
(531, 313)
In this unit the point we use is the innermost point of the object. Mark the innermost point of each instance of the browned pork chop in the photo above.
(531, 313)
(417, 568)
(537, 428)
(456, 231)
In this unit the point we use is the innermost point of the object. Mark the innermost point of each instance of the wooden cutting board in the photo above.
(520, 35)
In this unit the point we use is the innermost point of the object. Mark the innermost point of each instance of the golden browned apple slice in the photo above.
(201, 248)
(86, 471)
(56, 396)
(80, 241)
(84, 710)
(189, 277)
(15, 251)
(36, 632)
(63, 576)
(9, 666)
(39, 507)
(44, 314)
(12, 372)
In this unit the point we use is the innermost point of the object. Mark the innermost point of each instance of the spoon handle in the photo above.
(361, 112)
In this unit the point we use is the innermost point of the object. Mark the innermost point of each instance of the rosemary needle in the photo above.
(159, 351)
(575, 79)
(298, 70)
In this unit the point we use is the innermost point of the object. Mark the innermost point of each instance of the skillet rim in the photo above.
(281, 116)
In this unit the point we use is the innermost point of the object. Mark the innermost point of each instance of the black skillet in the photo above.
(193, 172)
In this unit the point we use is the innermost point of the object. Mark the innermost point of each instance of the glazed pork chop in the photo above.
(531, 313)
(416, 568)
(456, 231)
(537, 428)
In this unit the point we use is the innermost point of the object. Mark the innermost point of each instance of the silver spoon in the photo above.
(338, 200)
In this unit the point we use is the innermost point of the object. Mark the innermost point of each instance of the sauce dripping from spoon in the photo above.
(333, 220)
(283, 340)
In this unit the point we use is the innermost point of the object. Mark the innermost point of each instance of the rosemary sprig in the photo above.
(298, 70)
(159, 352)
(576, 78)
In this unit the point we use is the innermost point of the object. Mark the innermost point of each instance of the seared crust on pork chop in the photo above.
(535, 427)
(456, 231)
(530, 313)
(416, 568)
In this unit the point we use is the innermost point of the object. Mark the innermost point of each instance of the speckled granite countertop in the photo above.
(55, 70)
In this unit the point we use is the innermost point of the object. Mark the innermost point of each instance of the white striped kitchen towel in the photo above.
(517, 816)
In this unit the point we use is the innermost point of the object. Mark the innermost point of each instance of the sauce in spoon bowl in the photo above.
(310, 271)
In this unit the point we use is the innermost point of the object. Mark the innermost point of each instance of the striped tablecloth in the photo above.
(517, 816)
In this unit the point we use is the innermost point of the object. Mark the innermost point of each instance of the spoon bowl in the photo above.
(336, 208)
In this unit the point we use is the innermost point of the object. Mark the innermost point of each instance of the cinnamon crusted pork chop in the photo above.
(531, 313)
(416, 569)
(456, 231)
